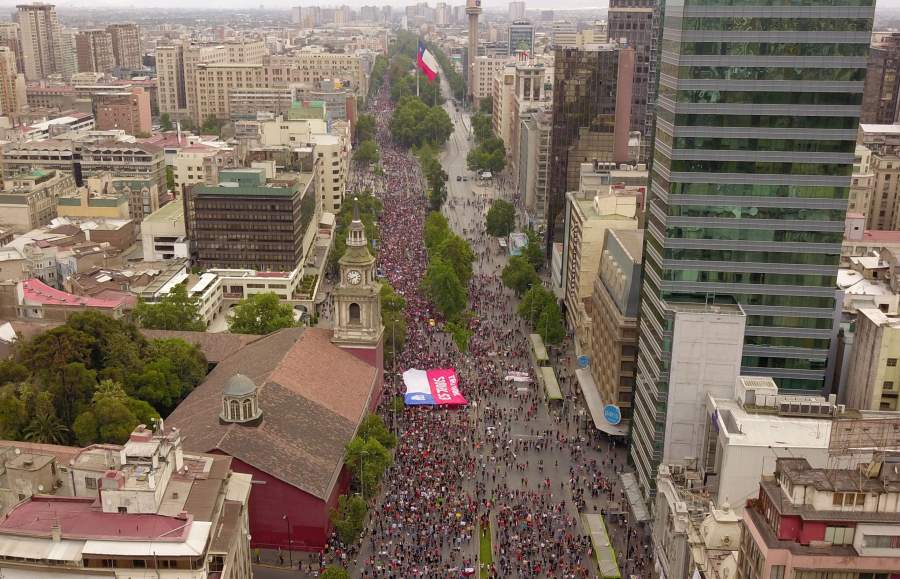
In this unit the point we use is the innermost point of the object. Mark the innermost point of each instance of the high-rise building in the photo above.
(473, 10)
(636, 24)
(248, 221)
(565, 33)
(882, 89)
(126, 45)
(11, 37)
(12, 85)
(516, 10)
(40, 36)
(521, 37)
(68, 63)
(94, 51)
(753, 155)
(591, 117)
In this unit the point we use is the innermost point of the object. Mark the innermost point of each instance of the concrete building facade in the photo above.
(873, 379)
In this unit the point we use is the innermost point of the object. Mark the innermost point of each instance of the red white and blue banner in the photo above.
(426, 62)
(436, 387)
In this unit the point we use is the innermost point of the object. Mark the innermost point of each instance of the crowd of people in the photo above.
(509, 465)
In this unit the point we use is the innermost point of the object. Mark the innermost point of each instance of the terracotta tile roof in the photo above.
(313, 395)
(215, 346)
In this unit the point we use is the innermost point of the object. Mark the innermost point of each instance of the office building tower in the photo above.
(516, 11)
(636, 25)
(126, 45)
(753, 156)
(473, 10)
(882, 88)
(591, 116)
(40, 36)
(94, 51)
(12, 85)
(521, 37)
(565, 33)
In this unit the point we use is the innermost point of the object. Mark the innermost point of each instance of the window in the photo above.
(839, 535)
(881, 541)
(837, 499)
(235, 410)
(90, 482)
(892, 362)
(776, 572)
(888, 385)
(354, 313)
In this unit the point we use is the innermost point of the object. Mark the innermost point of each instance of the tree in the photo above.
(366, 153)
(367, 459)
(45, 426)
(443, 287)
(534, 251)
(533, 303)
(348, 518)
(486, 106)
(334, 572)
(71, 388)
(11, 371)
(365, 128)
(55, 348)
(501, 218)
(488, 156)
(13, 413)
(165, 122)
(112, 416)
(373, 426)
(460, 334)
(261, 314)
(393, 319)
(170, 178)
(482, 128)
(414, 123)
(435, 230)
(212, 126)
(186, 361)
(458, 253)
(550, 325)
(519, 275)
(174, 311)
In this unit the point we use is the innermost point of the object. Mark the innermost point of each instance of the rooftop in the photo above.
(36, 292)
(744, 428)
(172, 211)
(82, 518)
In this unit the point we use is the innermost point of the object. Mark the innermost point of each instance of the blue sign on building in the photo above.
(583, 361)
(612, 414)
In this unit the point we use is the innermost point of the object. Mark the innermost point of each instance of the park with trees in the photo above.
(92, 380)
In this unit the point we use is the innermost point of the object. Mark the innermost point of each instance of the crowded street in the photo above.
(508, 462)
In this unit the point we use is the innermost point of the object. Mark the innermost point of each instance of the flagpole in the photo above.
(417, 81)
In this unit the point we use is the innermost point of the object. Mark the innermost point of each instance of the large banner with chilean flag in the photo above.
(436, 387)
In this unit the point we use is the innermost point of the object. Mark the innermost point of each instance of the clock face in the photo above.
(354, 277)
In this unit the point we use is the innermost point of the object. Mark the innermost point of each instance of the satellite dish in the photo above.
(40, 488)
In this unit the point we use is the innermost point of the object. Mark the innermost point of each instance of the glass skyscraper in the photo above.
(757, 112)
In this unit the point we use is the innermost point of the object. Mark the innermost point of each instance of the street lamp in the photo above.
(362, 480)
(285, 518)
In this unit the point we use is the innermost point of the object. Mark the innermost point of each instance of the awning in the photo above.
(603, 549)
(595, 404)
(551, 386)
(537, 346)
(634, 496)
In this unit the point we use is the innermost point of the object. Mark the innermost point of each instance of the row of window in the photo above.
(759, 121)
(766, 48)
(754, 190)
(752, 256)
(772, 235)
(733, 212)
(765, 73)
(755, 167)
(782, 2)
(749, 24)
(762, 98)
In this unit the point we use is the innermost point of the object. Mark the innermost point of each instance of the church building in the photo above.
(285, 405)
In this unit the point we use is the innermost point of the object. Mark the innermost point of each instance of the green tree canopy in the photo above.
(482, 128)
(334, 572)
(45, 426)
(112, 416)
(519, 275)
(443, 287)
(349, 518)
(260, 314)
(501, 218)
(533, 302)
(366, 153)
(435, 230)
(365, 128)
(414, 123)
(550, 325)
(165, 122)
(488, 156)
(460, 334)
(367, 459)
(458, 253)
(534, 251)
(373, 426)
(486, 106)
(393, 319)
(174, 311)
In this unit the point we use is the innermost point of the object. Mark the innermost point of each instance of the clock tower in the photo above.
(357, 307)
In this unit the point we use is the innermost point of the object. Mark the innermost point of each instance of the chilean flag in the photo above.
(426, 62)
